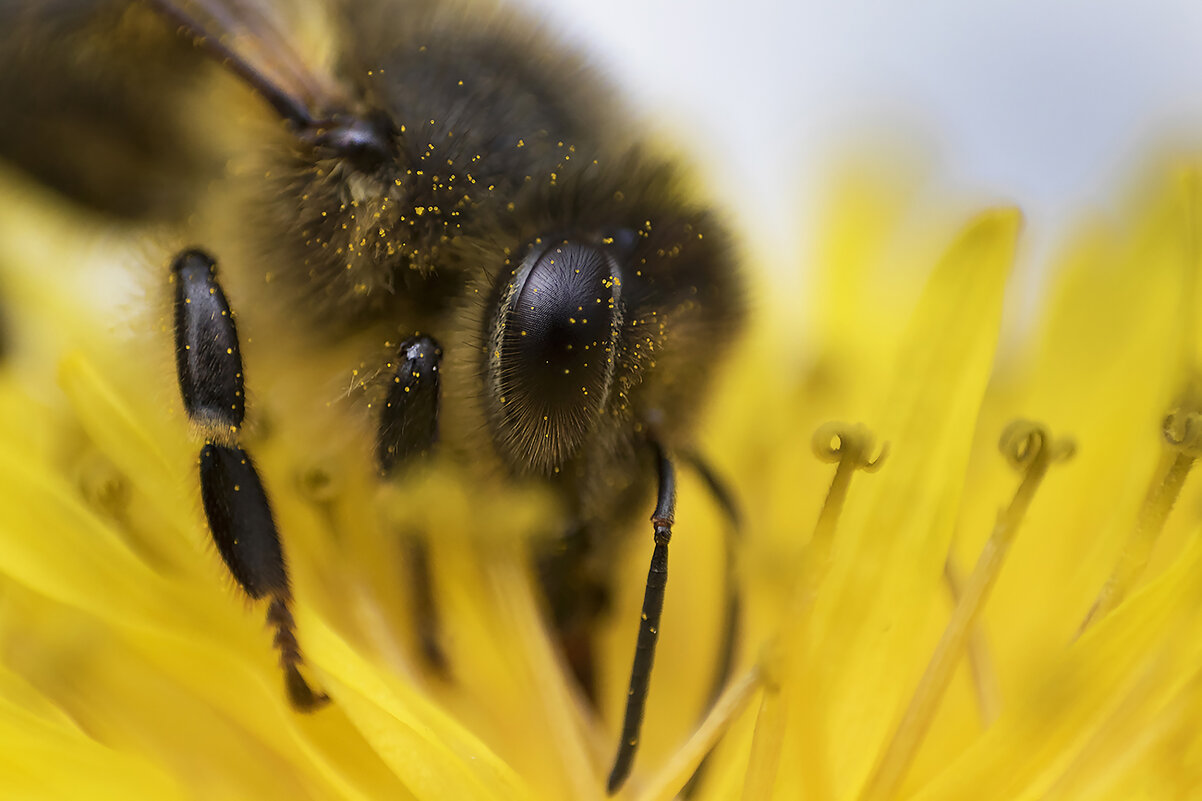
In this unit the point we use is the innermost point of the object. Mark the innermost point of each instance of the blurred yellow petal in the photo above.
(1022, 754)
(895, 530)
(873, 662)
(45, 759)
(435, 757)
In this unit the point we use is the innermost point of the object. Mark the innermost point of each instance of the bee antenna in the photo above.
(287, 106)
(653, 607)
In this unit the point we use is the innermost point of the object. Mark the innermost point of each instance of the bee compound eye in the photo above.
(554, 339)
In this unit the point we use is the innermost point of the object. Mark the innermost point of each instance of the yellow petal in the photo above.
(871, 616)
(435, 756)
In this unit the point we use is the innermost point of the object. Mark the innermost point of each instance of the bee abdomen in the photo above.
(207, 357)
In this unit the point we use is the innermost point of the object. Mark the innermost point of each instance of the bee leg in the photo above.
(209, 367)
(425, 610)
(731, 611)
(408, 424)
(244, 530)
(732, 604)
(653, 606)
(407, 430)
(577, 591)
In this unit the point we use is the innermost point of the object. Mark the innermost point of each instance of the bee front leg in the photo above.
(577, 585)
(209, 367)
(407, 430)
(425, 607)
(732, 603)
(408, 424)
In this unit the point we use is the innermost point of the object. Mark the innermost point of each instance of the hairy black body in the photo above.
(449, 178)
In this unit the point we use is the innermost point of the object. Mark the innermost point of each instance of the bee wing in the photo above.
(281, 49)
(99, 98)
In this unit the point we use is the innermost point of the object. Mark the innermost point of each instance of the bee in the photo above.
(442, 175)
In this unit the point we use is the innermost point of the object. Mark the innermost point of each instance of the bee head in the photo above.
(554, 337)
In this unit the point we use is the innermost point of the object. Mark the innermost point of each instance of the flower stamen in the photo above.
(1029, 448)
(673, 776)
(980, 665)
(768, 735)
(850, 447)
(1182, 432)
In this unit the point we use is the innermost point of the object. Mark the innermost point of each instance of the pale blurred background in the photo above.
(1049, 105)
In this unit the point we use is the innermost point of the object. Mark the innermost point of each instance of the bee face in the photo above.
(454, 183)
(480, 188)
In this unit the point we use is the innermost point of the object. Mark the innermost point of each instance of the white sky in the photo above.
(1046, 104)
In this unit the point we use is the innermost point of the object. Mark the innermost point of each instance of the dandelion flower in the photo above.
(902, 637)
